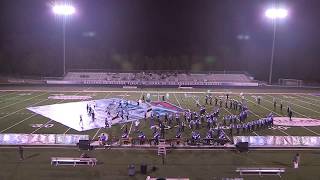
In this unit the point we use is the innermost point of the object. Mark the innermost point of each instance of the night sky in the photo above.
(190, 35)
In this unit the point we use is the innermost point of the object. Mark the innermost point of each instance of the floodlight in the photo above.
(63, 9)
(276, 13)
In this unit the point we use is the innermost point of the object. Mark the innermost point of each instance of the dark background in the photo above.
(193, 35)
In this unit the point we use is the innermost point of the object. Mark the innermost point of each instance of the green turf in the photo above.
(15, 118)
(113, 164)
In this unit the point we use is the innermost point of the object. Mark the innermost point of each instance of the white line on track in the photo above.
(23, 100)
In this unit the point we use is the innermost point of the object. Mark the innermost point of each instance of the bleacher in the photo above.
(158, 78)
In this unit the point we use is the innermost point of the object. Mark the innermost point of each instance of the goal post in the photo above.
(290, 82)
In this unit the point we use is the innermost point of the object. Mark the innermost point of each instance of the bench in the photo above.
(260, 171)
(73, 161)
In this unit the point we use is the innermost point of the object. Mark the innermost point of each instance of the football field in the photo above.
(16, 118)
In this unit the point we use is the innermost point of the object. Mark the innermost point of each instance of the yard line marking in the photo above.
(130, 128)
(7, 94)
(292, 111)
(177, 99)
(23, 100)
(22, 109)
(308, 103)
(314, 96)
(4, 100)
(18, 123)
(41, 126)
(308, 98)
(258, 116)
(132, 121)
(294, 104)
(23, 119)
(67, 130)
(186, 122)
(96, 133)
(232, 114)
(303, 116)
(198, 102)
(311, 130)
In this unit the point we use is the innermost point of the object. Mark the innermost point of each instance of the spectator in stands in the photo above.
(21, 153)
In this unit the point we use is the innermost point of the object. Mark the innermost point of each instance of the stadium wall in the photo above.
(154, 83)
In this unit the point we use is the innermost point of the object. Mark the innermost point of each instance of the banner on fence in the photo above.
(279, 141)
(41, 139)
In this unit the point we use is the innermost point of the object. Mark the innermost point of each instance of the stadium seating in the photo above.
(157, 78)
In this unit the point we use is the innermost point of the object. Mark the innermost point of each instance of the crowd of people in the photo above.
(206, 123)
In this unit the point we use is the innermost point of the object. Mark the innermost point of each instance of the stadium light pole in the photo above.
(65, 10)
(274, 14)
